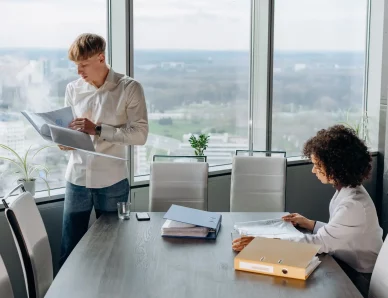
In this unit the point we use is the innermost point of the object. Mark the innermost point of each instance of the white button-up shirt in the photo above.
(119, 107)
(353, 233)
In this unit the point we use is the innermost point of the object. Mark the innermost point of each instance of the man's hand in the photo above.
(239, 243)
(64, 148)
(301, 221)
(83, 125)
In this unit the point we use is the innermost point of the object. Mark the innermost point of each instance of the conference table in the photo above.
(129, 258)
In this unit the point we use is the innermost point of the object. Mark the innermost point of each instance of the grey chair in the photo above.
(379, 281)
(258, 183)
(179, 183)
(32, 243)
(5, 283)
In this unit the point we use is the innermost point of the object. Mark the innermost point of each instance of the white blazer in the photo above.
(352, 234)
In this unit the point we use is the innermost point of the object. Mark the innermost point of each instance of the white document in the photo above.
(175, 228)
(271, 228)
(54, 126)
(312, 265)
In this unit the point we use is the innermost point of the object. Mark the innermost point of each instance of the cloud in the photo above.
(200, 24)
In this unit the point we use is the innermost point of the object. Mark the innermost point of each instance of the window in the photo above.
(34, 71)
(318, 71)
(192, 58)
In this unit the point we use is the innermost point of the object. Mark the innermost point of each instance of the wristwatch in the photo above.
(98, 130)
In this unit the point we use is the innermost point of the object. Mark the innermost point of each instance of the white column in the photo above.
(261, 74)
(121, 51)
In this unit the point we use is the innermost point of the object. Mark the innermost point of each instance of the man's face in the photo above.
(90, 69)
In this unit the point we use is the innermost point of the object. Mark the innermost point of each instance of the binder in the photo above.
(196, 217)
(278, 257)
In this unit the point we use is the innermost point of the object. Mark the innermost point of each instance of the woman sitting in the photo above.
(352, 235)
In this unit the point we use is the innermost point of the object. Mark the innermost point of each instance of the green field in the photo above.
(178, 128)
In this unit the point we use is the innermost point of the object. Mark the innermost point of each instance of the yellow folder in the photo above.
(278, 257)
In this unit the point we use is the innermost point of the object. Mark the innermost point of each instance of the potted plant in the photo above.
(360, 126)
(199, 144)
(24, 168)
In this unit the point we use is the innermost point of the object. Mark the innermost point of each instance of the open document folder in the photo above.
(270, 228)
(187, 222)
(53, 126)
(278, 257)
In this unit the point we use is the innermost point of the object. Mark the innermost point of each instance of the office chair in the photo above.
(258, 183)
(31, 241)
(5, 283)
(179, 183)
(379, 282)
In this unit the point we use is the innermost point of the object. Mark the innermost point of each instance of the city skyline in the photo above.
(184, 89)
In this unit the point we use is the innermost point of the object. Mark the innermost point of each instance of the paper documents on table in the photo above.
(53, 126)
(175, 228)
(270, 228)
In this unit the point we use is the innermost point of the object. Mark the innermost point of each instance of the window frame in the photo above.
(120, 56)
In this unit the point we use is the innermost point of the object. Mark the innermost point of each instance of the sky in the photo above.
(300, 25)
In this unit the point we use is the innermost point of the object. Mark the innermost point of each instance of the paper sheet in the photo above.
(61, 117)
(271, 228)
(71, 138)
(174, 228)
(53, 126)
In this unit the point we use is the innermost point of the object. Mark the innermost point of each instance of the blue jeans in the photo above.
(79, 202)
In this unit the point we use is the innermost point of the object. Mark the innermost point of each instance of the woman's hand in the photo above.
(239, 243)
(301, 221)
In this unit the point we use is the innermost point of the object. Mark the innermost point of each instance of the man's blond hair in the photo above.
(85, 46)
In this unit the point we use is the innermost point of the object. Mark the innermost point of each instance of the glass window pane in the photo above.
(192, 58)
(319, 64)
(34, 72)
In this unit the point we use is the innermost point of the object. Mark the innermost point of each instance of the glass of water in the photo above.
(123, 210)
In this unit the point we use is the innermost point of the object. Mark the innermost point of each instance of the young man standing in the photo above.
(111, 108)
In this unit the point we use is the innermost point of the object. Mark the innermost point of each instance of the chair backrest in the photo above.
(5, 283)
(379, 282)
(258, 184)
(179, 183)
(179, 158)
(32, 243)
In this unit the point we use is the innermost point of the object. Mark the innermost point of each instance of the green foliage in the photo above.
(360, 126)
(199, 144)
(165, 121)
(23, 167)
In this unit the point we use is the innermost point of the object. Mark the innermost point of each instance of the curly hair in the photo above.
(344, 157)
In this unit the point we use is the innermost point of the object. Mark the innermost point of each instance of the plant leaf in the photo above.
(26, 155)
(13, 162)
(34, 168)
(25, 164)
(40, 149)
(48, 186)
(12, 151)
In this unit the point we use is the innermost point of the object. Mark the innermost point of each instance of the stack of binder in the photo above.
(184, 222)
(278, 257)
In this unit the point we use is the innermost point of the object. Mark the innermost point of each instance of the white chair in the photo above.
(5, 283)
(258, 183)
(179, 183)
(379, 282)
(32, 243)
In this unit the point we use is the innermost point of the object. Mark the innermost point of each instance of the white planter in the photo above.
(28, 185)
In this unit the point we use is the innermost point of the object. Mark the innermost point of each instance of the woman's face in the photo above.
(319, 171)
